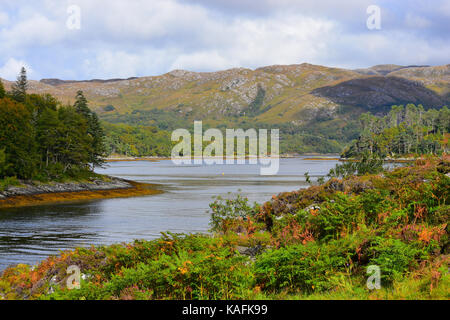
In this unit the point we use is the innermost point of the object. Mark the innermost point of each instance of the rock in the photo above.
(29, 188)
(250, 251)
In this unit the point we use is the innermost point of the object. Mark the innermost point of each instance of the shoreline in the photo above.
(307, 157)
(283, 156)
(31, 195)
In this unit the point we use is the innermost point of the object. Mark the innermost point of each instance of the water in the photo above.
(30, 234)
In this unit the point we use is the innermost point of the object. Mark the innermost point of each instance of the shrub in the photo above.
(306, 267)
(173, 267)
(394, 257)
(7, 182)
(226, 211)
(335, 217)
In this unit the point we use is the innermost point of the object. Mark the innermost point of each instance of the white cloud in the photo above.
(36, 30)
(205, 60)
(140, 37)
(415, 21)
(11, 69)
(4, 18)
(122, 64)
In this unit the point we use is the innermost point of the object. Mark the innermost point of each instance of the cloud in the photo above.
(136, 38)
(12, 67)
(4, 18)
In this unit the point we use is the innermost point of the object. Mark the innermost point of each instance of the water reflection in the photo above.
(30, 234)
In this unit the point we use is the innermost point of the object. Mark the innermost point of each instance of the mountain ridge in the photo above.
(293, 93)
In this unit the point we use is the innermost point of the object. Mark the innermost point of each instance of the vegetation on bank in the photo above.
(138, 139)
(41, 139)
(314, 243)
(405, 130)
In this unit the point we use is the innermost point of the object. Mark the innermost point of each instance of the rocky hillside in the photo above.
(274, 94)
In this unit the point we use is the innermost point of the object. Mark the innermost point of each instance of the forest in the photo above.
(405, 130)
(42, 139)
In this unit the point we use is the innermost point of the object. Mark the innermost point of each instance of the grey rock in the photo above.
(30, 188)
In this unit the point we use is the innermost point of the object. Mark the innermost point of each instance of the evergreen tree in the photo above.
(95, 130)
(404, 131)
(19, 88)
(2, 90)
(98, 141)
(17, 140)
(81, 105)
(48, 136)
(4, 165)
(75, 143)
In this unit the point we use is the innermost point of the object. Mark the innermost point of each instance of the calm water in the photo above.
(28, 235)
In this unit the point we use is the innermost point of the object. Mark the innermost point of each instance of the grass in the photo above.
(315, 243)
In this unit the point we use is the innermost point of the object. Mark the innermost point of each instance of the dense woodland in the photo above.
(405, 130)
(131, 137)
(136, 141)
(42, 139)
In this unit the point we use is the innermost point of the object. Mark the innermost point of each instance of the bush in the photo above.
(365, 165)
(336, 217)
(394, 257)
(226, 211)
(174, 267)
(309, 267)
(7, 182)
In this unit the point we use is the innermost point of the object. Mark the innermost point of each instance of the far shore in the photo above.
(30, 195)
(309, 157)
(283, 156)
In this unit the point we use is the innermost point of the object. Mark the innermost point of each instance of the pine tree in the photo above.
(48, 135)
(81, 105)
(2, 90)
(75, 143)
(19, 89)
(95, 130)
(98, 143)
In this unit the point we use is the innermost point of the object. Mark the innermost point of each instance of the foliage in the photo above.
(226, 211)
(304, 267)
(41, 139)
(394, 257)
(19, 88)
(2, 90)
(17, 140)
(403, 131)
(315, 243)
(136, 141)
(94, 130)
(365, 164)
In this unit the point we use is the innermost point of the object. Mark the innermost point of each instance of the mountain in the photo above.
(303, 98)
(272, 94)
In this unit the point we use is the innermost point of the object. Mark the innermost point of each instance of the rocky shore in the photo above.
(32, 188)
(34, 193)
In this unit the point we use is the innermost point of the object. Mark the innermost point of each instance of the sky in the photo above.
(87, 39)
